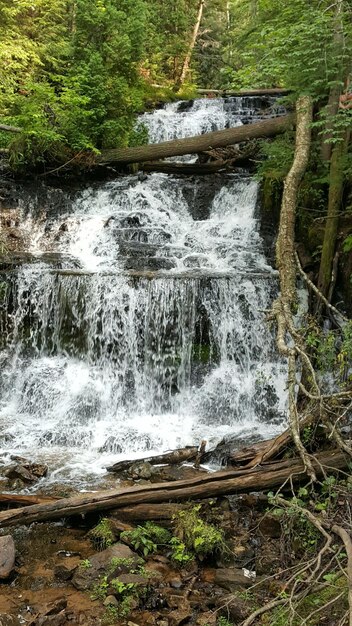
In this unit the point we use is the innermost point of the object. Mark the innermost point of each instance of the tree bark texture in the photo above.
(212, 485)
(332, 217)
(285, 247)
(199, 143)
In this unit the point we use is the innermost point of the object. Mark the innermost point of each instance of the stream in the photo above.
(135, 322)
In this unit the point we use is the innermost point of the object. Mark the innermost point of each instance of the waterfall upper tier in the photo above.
(141, 325)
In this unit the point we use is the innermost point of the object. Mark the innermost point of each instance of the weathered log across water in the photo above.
(212, 485)
(169, 458)
(199, 143)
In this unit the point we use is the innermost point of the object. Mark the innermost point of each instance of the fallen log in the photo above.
(262, 451)
(274, 91)
(169, 458)
(210, 485)
(199, 143)
(10, 499)
(146, 512)
(189, 169)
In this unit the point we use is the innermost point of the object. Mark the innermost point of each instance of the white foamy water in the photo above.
(147, 330)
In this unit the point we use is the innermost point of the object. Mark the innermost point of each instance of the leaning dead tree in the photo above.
(192, 43)
(200, 143)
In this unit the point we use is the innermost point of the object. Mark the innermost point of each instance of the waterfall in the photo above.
(139, 324)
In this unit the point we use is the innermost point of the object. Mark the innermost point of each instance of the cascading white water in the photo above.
(149, 333)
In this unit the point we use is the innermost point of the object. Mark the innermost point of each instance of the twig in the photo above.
(317, 291)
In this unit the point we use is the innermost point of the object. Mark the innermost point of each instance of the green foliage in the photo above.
(100, 589)
(278, 157)
(179, 552)
(85, 564)
(147, 538)
(347, 244)
(223, 621)
(101, 535)
(197, 536)
(331, 350)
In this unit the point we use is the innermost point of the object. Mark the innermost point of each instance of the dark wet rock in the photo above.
(152, 263)
(184, 105)
(142, 470)
(64, 571)
(179, 617)
(19, 471)
(104, 563)
(137, 248)
(233, 608)
(7, 556)
(9, 620)
(270, 526)
(52, 620)
(229, 578)
(111, 445)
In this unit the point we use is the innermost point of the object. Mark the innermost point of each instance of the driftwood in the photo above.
(264, 450)
(211, 485)
(199, 143)
(169, 458)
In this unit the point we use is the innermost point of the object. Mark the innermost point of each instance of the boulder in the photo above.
(19, 471)
(7, 556)
(104, 563)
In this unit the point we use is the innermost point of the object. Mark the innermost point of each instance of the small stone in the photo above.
(232, 578)
(176, 583)
(110, 601)
(37, 469)
(179, 617)
(207, 619)
(7, 556)
(64, 571)
(141, 470)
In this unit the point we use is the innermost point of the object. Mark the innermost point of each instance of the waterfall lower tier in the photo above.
(140, 324)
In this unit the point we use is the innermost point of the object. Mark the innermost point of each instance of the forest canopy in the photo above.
(74, 73)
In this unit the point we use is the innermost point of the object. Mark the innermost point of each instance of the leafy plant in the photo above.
(102, 535)
(147, 538)
(198, 537)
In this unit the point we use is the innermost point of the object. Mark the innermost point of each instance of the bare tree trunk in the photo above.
(332, 217)
(187, 60)
(285, 247)
(199, 143)
(285, 259)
